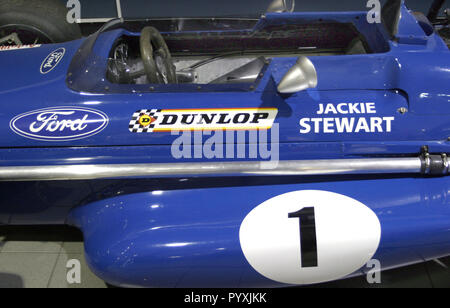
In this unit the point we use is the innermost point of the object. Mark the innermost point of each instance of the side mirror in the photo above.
(281, 6)
(300, 77)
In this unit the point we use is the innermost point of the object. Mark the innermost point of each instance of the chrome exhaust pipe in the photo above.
(425, 164)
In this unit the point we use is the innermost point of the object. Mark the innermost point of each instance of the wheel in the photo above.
(36, 22)
(156, 57)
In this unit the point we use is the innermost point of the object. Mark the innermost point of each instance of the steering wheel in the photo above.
(156, 56)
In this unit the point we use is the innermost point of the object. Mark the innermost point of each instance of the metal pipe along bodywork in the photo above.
(297, 167)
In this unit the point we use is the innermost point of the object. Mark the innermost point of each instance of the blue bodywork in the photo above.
(129, 224)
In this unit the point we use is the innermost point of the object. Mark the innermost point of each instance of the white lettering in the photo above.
(362, 125)
(328, 125)
(49, 121)
(346, 125)
(306, 128)
(388, 123)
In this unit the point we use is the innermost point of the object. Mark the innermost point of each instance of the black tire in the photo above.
(46, 19)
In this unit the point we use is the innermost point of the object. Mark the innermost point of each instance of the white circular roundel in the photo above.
(310, 236)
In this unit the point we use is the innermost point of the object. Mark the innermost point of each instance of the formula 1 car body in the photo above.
(290, 150)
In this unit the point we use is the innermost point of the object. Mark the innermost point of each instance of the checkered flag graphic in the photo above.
(136, 127)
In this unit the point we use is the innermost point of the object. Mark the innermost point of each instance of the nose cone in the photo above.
(300, 77)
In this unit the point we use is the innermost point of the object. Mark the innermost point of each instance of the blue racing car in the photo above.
(291, 149)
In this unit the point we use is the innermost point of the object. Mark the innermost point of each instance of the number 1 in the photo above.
(308, 237)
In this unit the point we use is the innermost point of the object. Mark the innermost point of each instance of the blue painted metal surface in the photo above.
(185, 238)
(129, 237)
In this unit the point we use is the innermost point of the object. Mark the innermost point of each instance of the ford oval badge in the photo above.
(59, 124)
(52, 60)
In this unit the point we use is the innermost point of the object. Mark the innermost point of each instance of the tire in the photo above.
(44, 20)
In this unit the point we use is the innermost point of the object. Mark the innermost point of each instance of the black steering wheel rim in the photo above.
(151, 43)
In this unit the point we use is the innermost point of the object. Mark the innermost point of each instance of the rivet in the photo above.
(402, 110)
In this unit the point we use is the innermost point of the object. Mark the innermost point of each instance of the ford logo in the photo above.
(59, 124)
(52, 60)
